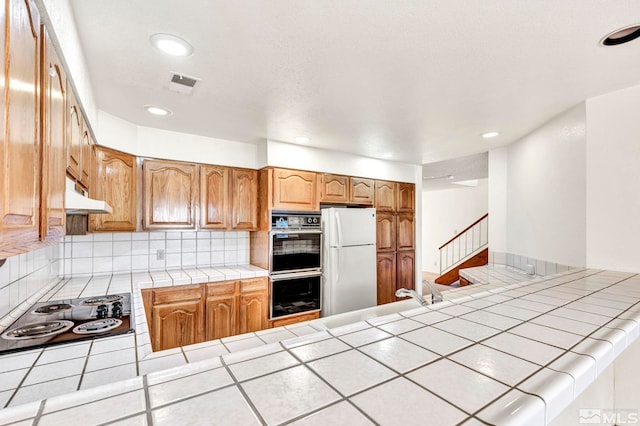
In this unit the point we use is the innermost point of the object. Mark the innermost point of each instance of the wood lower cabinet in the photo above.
(334, 188)
(183, 315)
(386, 279)
(175, 316)
(294, 190)
(405, 270)
(361, 191)
(294, 319)
(385, 196)
(244, 199)
(116, 180)
(385, 232)
(53, 113)
(20, 153)
(169, 190)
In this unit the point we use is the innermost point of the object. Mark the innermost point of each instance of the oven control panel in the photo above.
(289, 220)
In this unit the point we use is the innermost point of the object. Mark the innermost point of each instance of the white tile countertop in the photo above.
(528, 350)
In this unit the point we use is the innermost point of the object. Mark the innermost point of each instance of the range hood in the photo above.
(77, 201)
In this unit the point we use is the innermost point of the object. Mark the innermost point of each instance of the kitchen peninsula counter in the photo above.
(514, 354)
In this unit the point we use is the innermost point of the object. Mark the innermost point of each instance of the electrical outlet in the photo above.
(160, 254)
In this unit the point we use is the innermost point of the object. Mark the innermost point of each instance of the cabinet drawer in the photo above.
(294, 319)
(177, 294)
(254, 284)
(222, 288)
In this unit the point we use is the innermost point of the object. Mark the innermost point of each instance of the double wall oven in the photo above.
(295, 263)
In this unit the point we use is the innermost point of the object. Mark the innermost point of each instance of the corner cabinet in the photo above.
(294, 190)
(169, 194)
(116, 180)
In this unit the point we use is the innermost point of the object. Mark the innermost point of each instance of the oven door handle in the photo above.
(294, 275)
(295, 231)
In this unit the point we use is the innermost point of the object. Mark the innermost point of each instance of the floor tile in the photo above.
(263, 365)
(398, 354)
(531, 350)
(436, 340)
(550, 336)
(505, 368)
(466, 388)
(226, 406)
(364, 337)
(467, 329)
(319, 349)
(350, 372)
(183, 387)
(515, 408)
(412, 404)
(342, 413)
(492, 320)
(288, 394)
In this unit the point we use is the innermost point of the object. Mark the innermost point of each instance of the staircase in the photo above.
(465, 250)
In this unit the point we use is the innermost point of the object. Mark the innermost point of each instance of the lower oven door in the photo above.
(294, 294)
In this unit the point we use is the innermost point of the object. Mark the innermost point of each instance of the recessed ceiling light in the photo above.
(489, 135)
(623, 35)
(156, 110)
(171, 45)
(302, 139)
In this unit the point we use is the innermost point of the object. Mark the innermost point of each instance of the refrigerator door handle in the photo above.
(338, 241)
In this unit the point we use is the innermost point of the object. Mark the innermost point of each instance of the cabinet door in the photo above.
(221, 316)
(116, 183)
(294, 319)
(214, 193)
(361, 191)
(405, 277)
(20, 154)
(406, 231)
(334, 188)
(386, 270)
(385, 196)
(406, 198)
(294, 190)
(74, 135)
(177, 324)
(385, 232)
(244, 204)
(86, 156)
(52, 213)
(254, 304)
(170, 190)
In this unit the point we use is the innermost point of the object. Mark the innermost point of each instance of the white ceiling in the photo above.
(420, 79)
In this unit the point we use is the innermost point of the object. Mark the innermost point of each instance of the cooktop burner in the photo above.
(52, 308)
(102, 300)
(69, 320)
(38, 330)
(97, 326)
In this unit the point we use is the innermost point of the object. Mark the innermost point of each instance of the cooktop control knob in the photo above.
(116, 310)
(102, 311)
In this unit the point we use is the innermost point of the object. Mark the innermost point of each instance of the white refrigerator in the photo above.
(349, 259)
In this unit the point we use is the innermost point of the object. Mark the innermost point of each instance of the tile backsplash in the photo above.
(26, 274)
(523, 263)
(107, 253)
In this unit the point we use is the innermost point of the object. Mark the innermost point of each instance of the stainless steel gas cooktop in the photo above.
(64, 321)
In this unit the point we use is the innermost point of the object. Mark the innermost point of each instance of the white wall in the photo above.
(613, 181)
(546, 191)
(497, 195)
(445, 212)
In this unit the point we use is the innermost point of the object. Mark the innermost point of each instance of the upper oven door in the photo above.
(295, 251)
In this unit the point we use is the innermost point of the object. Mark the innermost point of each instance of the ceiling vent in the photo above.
(182, 83)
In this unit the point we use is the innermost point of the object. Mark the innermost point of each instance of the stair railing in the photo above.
(466, 243)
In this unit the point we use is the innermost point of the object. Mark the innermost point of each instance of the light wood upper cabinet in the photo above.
(334, 188)
(244, 199)
(406, 198)
(406, 231)
(52, 223)
(294, 190)
(74, 135)
(214, 195)
(170, 191)
(385, 196)
(385, 232)
(20, 154)
(361, 191)
(115, 182)
(87, 156)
